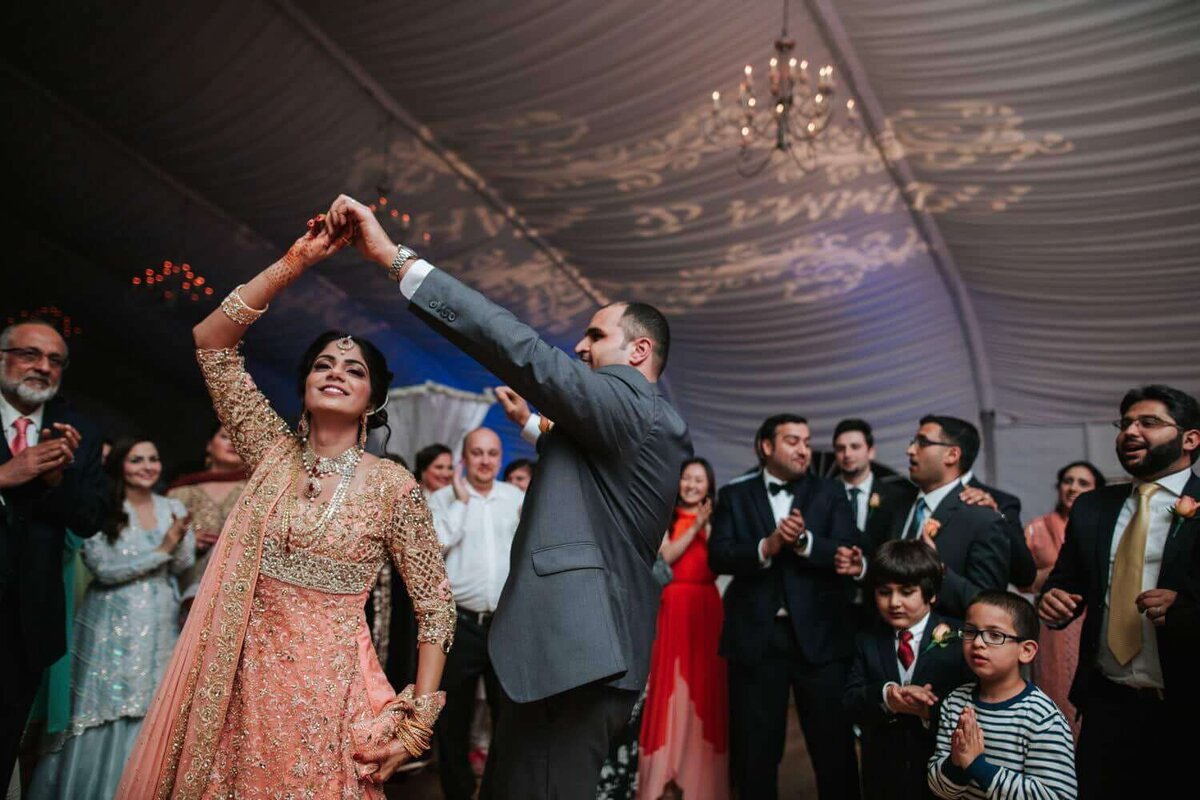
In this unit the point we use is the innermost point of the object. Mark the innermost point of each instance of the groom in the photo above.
(573, 630)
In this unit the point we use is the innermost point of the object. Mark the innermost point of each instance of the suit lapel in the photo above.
(1109, 511)
(949, 505)
(802, 487)
(762, 503)
(886, 652)
(923, 651)
(1172, 551)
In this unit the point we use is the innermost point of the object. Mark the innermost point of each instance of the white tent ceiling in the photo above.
(1028, 247)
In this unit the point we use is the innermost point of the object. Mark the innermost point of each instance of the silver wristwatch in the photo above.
(402, 254)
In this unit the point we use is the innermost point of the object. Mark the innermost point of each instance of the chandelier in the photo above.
(789, 118)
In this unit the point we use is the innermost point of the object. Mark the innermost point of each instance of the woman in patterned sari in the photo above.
(274, 689)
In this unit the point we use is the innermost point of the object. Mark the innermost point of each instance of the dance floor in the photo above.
(795, 774)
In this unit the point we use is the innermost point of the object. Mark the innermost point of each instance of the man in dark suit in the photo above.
(50, 480)
(572, 634)
(1022, 570)
(789, 624)
(1124, 558)
(971, 540)
(873, 499)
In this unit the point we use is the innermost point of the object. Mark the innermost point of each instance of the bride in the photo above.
(274, 689)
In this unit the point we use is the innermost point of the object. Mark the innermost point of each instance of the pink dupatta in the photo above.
(179, 735)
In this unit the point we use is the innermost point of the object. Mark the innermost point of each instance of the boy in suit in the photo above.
(902, 667)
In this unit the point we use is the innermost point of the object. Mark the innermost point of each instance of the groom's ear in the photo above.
(641, 350)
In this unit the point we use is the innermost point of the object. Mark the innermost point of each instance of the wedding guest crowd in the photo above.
(876, 604)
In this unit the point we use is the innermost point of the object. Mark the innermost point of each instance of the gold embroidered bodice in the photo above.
(384, 516)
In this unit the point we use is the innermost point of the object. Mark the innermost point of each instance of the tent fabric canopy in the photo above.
(1016, 237)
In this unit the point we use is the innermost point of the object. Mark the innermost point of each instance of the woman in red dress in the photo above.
(1058, 650)
(685, 730)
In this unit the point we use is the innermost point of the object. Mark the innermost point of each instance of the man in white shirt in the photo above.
(1125, 556)
(476, 517)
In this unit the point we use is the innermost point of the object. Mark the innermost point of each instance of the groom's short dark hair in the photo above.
(643, 319)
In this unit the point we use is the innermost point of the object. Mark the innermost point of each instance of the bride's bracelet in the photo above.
(234, 307)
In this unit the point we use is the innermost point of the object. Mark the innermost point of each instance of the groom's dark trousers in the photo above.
(571, 638)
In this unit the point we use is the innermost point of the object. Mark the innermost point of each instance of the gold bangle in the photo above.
(235, 308)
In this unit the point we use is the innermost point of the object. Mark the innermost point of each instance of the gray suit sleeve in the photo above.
(601, 410)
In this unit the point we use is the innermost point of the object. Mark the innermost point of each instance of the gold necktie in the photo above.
(1124, 619)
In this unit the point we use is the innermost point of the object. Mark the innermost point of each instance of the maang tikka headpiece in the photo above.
(345, 344)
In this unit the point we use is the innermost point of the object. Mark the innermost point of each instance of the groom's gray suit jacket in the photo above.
(580, 602)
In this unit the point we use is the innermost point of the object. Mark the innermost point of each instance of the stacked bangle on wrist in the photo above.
(234, 307)
(403, 254)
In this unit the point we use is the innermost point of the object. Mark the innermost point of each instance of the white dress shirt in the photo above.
(918, 631)
(9, 415)
(932, 500)
(781, 507)
(862, 503)
(476, 538)
(1144, 671)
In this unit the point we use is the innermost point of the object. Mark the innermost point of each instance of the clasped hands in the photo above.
(346, 222)
(966, 743)
(786, 534)
(47, 459)
(911, 699)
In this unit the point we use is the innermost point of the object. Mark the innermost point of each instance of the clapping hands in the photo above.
(911, 699)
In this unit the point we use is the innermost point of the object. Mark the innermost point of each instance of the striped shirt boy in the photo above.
(1028, 749)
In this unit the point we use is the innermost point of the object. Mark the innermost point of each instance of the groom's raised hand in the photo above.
(368, 235)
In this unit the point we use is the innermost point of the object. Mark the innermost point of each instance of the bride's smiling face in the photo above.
(338, 383)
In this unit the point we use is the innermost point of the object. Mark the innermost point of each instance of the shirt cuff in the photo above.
(763, 561)
(887, 707)
(532, 429)
(981, 772)
(954, 773)
(862, 576)
(415, 276)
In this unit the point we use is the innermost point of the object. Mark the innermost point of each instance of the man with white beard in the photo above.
(50, 480)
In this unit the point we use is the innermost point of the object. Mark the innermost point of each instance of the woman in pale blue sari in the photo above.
(125, 628)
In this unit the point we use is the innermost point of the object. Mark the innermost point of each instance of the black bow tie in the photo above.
(776, 488)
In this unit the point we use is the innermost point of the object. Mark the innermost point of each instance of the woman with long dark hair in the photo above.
(275, 689)
(685, 729)
(125, 629)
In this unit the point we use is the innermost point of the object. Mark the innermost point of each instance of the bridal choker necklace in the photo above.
(318, 467)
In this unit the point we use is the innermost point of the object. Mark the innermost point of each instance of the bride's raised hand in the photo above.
(318, 243)
(347, 214)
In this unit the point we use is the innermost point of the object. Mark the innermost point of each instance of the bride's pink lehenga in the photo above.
(274, 682)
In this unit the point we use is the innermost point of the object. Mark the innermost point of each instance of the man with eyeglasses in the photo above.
(50, 480)
(971, 540)
(1125, 556)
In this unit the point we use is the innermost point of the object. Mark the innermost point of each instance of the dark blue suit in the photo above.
(896, 747)
(35, 519)
(808, 651)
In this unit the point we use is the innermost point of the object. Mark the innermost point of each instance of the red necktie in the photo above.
(905, 652)
(20, 441)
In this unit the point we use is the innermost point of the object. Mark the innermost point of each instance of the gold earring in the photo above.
(302, 427)
(362, 431)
